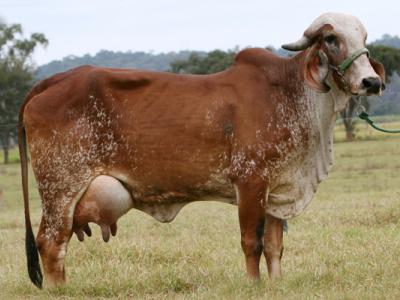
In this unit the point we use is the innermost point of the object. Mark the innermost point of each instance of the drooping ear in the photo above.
(380, 70)
(316, 69)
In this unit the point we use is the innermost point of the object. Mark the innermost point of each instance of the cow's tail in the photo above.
(35, 274)
(32, 255)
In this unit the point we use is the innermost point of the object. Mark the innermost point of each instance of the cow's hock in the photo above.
(103, 203)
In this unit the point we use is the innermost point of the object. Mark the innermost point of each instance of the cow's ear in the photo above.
(316, 69)
(380, 70)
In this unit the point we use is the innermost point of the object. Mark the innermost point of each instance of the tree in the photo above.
(214, 61)
(390, 58)
(347, 115)
(16, 77)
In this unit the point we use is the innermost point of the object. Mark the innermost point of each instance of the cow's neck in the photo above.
(323, 117)
(337, 96)
(320, 109)
(315, 117)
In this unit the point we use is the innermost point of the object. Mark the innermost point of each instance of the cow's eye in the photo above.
(330, 39)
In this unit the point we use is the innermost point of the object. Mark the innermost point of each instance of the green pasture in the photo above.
(346, 245)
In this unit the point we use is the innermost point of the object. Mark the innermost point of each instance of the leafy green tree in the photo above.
(388, 56)
(214, 61)
(16, 73)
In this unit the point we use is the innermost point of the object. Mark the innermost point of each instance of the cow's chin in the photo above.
(364, 92)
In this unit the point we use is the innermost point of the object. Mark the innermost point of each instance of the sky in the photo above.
(77, 27)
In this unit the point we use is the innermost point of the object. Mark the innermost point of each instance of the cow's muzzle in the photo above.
(372, 85)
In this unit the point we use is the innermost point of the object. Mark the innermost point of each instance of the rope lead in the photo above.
(364, 116)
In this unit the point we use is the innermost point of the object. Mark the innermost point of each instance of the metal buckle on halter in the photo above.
(341, 76)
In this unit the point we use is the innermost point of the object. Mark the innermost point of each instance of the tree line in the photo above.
(118, 59)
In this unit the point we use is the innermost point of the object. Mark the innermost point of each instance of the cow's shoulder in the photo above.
(277, 71)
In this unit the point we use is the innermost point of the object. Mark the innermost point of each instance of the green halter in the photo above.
(348, 61)
(341, 68)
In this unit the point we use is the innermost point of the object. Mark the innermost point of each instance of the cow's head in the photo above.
(337, 56)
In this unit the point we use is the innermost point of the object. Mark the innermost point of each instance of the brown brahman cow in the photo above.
(258, 135)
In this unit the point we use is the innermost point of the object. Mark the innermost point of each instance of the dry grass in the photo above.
(346, 245)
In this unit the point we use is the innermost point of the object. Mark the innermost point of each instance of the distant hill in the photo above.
(129, 60)
(150, 61)
(388, 40)
(105, 58)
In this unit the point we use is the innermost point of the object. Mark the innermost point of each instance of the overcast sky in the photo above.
(77, 27)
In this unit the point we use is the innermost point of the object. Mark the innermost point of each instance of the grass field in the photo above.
(346, 245)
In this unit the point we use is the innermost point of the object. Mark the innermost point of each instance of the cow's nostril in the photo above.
(366, 82)
(372, 85)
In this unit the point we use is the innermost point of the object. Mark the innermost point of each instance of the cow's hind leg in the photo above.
(251, 217)
(273, 245)
(55, 231)
(52, 252)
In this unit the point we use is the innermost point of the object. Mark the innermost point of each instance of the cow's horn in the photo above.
(301, 44)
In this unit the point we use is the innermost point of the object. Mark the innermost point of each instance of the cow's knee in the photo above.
(252, 246)
(272, 252)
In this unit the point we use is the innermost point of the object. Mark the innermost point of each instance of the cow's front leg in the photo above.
(251, 197)
(273, 245)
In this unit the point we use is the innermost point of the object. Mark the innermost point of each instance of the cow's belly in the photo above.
(165, 203)
(167, 211)
(106, 200)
